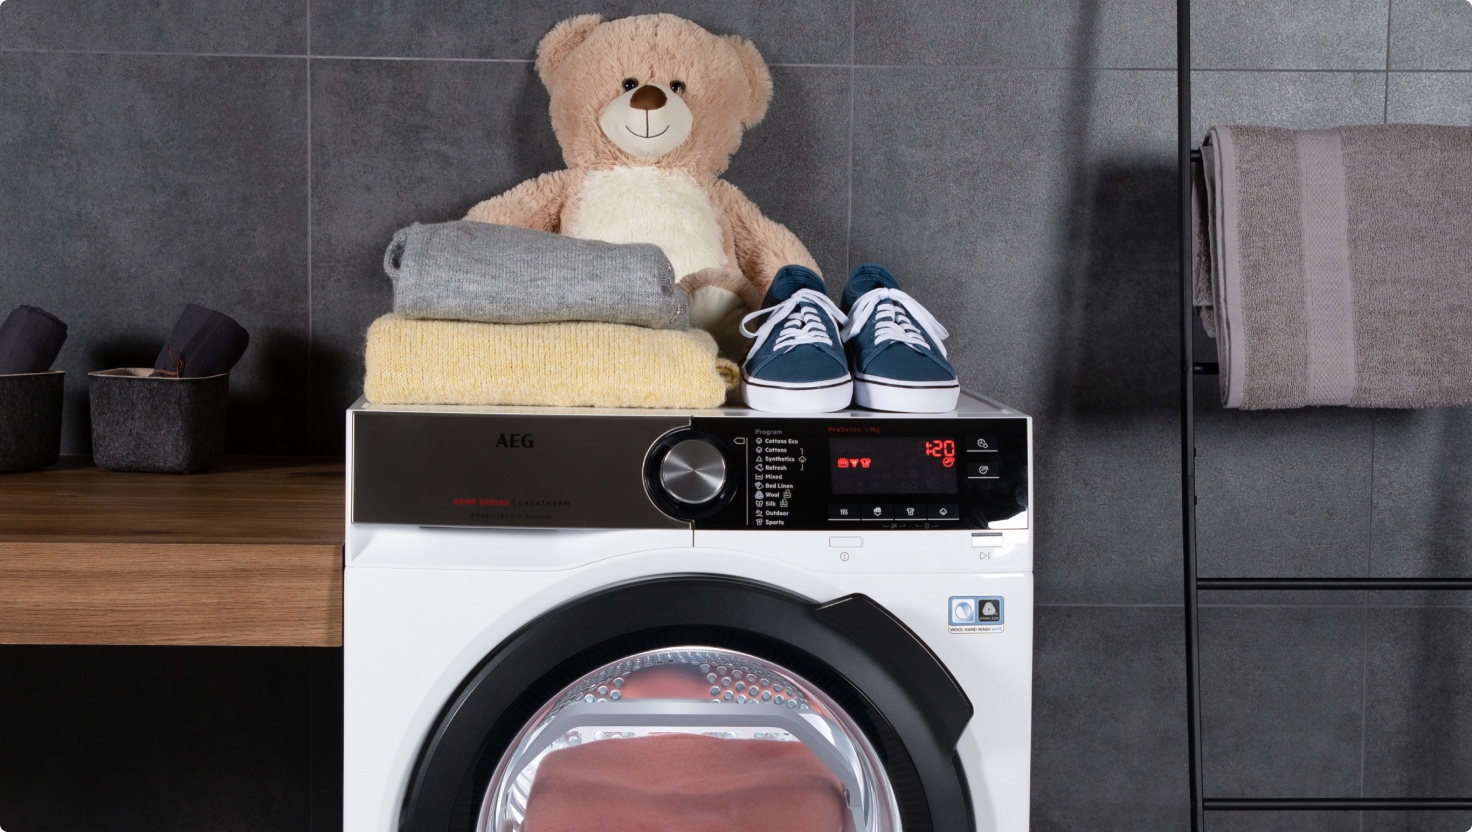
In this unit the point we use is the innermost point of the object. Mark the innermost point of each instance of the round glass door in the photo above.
(689, 733)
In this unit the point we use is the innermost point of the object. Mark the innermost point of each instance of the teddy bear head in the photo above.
(650, 90)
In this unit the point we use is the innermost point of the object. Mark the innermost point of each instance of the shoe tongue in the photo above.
(867, 276)
(788, 280)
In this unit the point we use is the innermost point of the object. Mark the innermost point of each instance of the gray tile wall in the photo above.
(1014, 162)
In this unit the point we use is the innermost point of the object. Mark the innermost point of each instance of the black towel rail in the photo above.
(1194, 584)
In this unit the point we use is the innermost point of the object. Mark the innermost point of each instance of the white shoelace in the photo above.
(896, 315)
(799, 325)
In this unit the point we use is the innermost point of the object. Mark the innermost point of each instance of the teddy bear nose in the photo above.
(647, 97)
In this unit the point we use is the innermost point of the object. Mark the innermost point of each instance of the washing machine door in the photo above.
(666, 703)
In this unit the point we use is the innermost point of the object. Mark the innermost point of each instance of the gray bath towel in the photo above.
(501, 274)
(1334, 267)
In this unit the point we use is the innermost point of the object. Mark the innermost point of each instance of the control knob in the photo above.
(691, 475)
(693, 472)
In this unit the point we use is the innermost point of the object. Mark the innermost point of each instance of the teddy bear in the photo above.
(648, 110)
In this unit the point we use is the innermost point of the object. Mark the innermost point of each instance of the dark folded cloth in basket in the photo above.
(30, 340)
(202, 343)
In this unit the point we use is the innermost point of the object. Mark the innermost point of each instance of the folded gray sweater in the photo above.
(476, 271)
(1334, 267)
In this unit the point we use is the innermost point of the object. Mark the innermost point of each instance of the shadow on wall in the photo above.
(276, 369)
(539, 153)
(335, 363)
(279, 365)
(1419, 665)
(795, 143)
(1116, 317)
(1439, 533)
(437, 171)
(1117, 333)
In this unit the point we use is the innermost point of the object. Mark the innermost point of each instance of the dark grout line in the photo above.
(1364, 709)
(148, 53)
(1290, 69)
(276, 56)
(1020, 68)
(1385, 114)
(1288, 606)
(310, 419)
(1347, 71)
(1366, 607)
(1046, 68)
(853, 30)
(848, 230)
(431, 59)
(1369, 570)
(1370, 514)
(1111, 606)
(312, 749)
(848, 66)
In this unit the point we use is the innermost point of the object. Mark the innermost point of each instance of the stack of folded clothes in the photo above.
(492, 314)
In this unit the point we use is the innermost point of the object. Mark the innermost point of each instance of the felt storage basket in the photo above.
(159, 425)
(30, 420)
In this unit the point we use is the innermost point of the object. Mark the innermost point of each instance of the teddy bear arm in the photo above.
(535, 203)
(762, 245)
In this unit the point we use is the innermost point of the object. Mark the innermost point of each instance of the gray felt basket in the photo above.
(158, 425)
(30, 420)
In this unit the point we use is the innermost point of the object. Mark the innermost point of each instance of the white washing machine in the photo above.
(525, 585)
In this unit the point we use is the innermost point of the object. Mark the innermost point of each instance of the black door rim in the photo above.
(907, 704)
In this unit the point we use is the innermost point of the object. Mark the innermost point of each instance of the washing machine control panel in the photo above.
(892, 473)
(713, 470)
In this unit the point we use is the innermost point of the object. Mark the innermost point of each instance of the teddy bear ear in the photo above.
(558, 43)
(757, 77)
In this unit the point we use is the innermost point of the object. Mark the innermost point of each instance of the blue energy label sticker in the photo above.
(976, 614)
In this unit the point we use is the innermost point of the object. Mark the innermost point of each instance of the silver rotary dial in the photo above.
(693, 472)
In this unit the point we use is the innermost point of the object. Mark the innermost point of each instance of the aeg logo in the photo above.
(514, 440)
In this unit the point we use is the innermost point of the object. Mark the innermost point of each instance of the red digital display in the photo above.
(892, 465)
(944, 449)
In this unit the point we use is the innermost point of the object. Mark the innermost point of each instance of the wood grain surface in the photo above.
(246, 553)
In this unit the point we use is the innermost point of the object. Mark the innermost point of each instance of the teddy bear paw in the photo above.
(719, 312)
(719, 299)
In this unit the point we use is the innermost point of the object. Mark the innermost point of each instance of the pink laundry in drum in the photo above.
(685, 782)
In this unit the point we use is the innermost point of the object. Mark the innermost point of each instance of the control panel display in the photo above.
(847, 473)
(892, 465)
(758, 472)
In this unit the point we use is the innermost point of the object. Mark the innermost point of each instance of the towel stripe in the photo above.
(1328, 287)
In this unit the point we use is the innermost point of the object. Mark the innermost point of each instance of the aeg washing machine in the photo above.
(523, 583)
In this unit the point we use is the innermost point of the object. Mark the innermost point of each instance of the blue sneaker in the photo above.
(796, 364)
(894, 344)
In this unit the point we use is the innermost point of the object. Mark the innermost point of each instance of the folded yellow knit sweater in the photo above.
(560, 364)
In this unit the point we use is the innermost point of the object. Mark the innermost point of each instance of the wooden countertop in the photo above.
(246, 553)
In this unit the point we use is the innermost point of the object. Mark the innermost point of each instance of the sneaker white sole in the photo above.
(772, 398)
(900, 398)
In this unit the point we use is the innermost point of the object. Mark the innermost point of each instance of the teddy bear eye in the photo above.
(630, 83)
(677, 86)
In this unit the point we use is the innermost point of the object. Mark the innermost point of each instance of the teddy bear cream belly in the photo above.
(647, 205)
